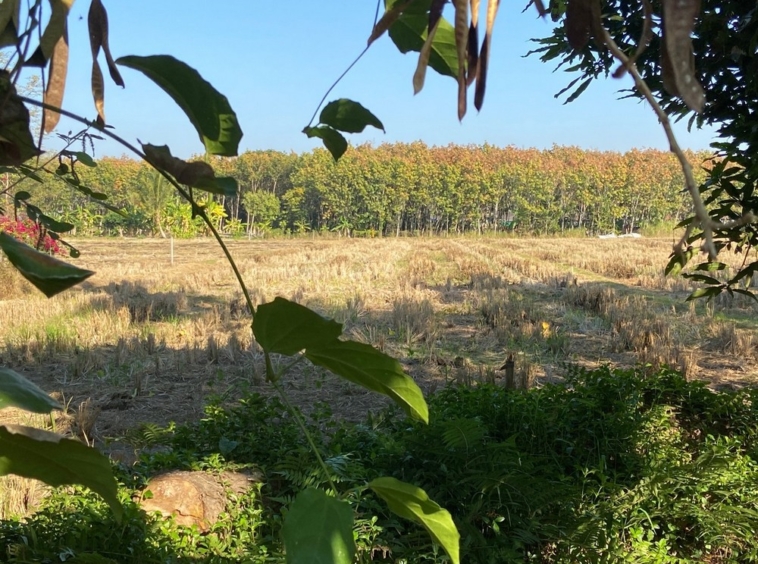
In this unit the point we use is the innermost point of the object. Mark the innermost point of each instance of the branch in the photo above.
(704, 221)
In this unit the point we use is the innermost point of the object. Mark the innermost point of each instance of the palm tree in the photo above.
(153, 196)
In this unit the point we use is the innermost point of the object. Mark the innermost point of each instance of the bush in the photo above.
(27, 231)
(612, 466)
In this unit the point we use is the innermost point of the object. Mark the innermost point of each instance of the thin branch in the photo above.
(198, 210)
(701, 213)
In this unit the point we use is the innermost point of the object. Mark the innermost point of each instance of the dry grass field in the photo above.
(147, 341)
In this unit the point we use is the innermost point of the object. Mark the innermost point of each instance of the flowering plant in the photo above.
(29, 232)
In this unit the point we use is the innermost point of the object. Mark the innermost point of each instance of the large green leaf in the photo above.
(318, 529)
(333, 140)
(409, 34)
(42, 455)
(374, 370)
(17, 391)
(208, 109)
(411, 502)
(285, 327)
(50, 275)
(348, 116)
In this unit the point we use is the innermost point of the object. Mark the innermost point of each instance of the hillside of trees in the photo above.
(388, 190)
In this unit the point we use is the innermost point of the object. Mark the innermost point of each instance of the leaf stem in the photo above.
(347, 70)
(300, 423)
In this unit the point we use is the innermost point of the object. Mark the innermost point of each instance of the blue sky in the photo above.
(275, 60)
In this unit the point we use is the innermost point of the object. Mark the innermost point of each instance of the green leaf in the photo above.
(50, 275)
(21, 196)
(285, 327)
(374, 370)
(411, 502)
(17, 391)
(409, 34)
(207, 109)
(703, 278)
(333, 140)
(348, 116)
(85, 159)
(222, 185)
(704, 293)
(318, 529)
(678, 261)
(711, 266)
(9, 12)
(41, 455)
(197, 174)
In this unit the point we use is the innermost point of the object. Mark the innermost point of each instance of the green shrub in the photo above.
(611, 466)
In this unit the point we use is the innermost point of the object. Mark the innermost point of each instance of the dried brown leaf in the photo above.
(55, 26)
(56, 82)
(98, 91)
(386, 21)
(473, 44)
(190, 174)
(423, 61)
(461, 43)
(435, 13)
(484, 56)
(678, 23)
(97, 21)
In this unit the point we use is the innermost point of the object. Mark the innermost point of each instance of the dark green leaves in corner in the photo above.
(287, 328)
(207, 109)
(50, 275)
(42, 455)
(341, 115)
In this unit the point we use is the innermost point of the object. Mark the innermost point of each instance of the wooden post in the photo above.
(509, 367)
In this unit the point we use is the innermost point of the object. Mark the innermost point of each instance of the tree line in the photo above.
(391, 189)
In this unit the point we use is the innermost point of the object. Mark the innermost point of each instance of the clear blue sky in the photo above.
(274, 61)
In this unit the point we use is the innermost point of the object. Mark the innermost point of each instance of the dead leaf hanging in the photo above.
(473, 44)
(423, 60)
(386, 21)
(56, 84)
(678, 57)
(484, 56)
(97, 22)
(461, 43)
(16, 141)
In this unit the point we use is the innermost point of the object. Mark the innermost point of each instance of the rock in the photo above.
(194, 498)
